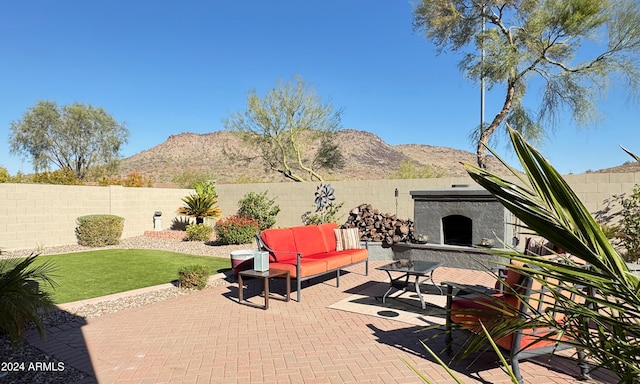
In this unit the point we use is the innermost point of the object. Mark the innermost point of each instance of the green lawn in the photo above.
(84, 275)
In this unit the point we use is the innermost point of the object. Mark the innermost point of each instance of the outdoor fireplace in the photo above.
(461, 216)
(461, 223)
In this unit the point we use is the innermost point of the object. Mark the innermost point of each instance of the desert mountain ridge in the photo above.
(230, 160)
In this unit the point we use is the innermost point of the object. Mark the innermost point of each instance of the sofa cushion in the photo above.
(328, 235)
(308, 267)
(347, 238)
(334, 260)
(355, 255)
(281, 241)
(308, 240)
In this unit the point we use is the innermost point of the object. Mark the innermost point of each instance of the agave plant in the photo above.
(608, 328)
(21, 299)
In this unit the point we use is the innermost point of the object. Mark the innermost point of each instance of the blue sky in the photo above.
(167, 67)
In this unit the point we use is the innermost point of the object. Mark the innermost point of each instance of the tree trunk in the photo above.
(485, 134)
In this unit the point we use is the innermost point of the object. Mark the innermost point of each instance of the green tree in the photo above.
(5, 177)
(189, 178)
(73, 137)
(409, 170)
(574, 48)
(285, 124)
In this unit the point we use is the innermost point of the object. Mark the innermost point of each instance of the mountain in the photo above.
(629, 166)
(231, 161)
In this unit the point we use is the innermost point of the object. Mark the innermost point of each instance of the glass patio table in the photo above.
(407, 268)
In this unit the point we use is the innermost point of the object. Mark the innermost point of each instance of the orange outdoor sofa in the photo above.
(313, 250)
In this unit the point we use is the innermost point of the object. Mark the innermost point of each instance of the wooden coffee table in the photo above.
(265, 276)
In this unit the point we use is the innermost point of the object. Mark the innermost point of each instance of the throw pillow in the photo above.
(348, 238)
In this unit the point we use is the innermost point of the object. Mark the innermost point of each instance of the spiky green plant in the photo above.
(21, 299)
(608, 329)
(200, 206)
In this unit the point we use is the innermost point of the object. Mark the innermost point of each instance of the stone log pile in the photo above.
(380, 227)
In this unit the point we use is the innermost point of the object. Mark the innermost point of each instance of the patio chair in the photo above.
(514, 299)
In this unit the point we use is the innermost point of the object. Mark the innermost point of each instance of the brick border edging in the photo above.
(134, 292)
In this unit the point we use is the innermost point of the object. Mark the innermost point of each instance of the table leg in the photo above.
(266, 292)
(288, 286)
(419, 293)
(434, 283)
(240, 288)
(384, 297)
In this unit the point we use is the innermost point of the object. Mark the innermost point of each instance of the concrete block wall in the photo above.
(37, 215)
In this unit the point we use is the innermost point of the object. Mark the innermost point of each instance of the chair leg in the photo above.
(448, 335)
(299, 288)
(515, 366)
(584, 366)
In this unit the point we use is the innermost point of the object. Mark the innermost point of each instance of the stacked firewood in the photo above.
(376, 226)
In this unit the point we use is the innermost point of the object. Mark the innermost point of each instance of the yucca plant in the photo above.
(200, 206)
(21, 299)
(202, 203)
(607, 328)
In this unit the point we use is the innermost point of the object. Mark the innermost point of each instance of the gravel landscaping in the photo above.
(28, 354)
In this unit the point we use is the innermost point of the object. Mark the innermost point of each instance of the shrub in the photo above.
(99, 230)
(629, 225)
(326, 210)
(21, 299)
(236, 230)
(260, 208)
(329, 215)
(408, 169)
(193, 276)
(63, 176)
(199, 232)
(189, 178)
(133, 179)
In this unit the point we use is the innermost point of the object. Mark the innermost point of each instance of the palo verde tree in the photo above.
(73, 137)
(292, 128)
(574, 48)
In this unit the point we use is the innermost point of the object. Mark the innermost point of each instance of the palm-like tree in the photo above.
(200, 206)
(21, 299)
(608, 329)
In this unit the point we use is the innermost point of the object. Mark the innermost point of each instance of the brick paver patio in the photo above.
(207, 337)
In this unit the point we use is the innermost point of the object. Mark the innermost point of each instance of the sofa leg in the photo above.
(299, 288)
(366, 267)
(338, 278)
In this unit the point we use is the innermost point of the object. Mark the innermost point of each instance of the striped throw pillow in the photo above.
(347, 238)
